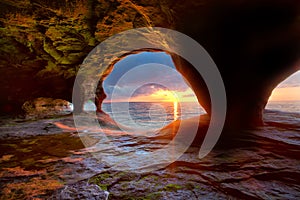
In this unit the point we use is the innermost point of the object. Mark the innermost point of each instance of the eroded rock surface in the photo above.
(261, 164)
(44, 42)
(254, 44)
(81, 190)
(46, 107)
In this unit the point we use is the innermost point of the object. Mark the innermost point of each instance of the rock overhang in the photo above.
(255, 45)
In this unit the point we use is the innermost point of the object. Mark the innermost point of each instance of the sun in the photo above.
(164, 96)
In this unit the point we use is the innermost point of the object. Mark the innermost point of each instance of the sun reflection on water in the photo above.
(175, 106)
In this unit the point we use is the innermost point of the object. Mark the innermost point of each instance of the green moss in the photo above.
(70, 44)
(154, 195)
(55, 32)
(100, 178)
(92, 42)
(103, 176)
(172, 187)
(52, 67)
(104, 180)
(150, 177)
(124, 186)
(7, 46)
(197, 187)
(29, 142)
(64, 61)
(75, 57)
(103, 186)
(50, 49)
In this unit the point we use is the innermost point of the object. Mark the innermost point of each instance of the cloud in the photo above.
(132, 61)
(135, 77)
(149, 89)
(132, 91)
(189, 95)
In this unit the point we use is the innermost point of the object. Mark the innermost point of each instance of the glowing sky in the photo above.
(171, 87)
(164, 84)
(160, 94)
(288, 90)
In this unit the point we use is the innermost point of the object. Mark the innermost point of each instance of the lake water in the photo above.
(151, 115)
(159, 114)
(284, 106)
(264, 164)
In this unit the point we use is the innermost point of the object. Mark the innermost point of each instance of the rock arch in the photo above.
(255, 44)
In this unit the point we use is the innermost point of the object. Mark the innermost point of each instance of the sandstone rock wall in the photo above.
(44, 42)
(46, 107)
(255, 44)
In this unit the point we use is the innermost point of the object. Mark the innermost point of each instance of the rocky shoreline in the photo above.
(262, 163)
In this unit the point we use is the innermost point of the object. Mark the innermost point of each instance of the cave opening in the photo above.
(45, 107)
(145, 90)
(286, 96)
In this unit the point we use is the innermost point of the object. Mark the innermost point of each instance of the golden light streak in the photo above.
(175, 107)
(167, 96)
(285, 94)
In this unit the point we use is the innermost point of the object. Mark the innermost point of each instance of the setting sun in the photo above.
(164, 95)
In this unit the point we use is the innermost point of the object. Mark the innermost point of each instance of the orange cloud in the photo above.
(167, 96)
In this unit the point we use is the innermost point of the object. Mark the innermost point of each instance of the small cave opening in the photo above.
(286, 96)
(45, 107)
(88, 106)
(145, 90)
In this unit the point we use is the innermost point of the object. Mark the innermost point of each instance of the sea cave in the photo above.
(48, 149)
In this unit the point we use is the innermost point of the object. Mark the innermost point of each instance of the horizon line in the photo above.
(150, 101)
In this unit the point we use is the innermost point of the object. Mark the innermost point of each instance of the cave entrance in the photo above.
(44, 107)
(146, 90)
(286, 96)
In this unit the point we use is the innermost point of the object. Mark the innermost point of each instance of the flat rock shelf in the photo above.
(42, 161)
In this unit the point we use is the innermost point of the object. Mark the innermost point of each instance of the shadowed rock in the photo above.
(81, 190)
(255, 45)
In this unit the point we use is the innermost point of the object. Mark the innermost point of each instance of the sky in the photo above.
(152, 77)
(147, 77)
(288, 90)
